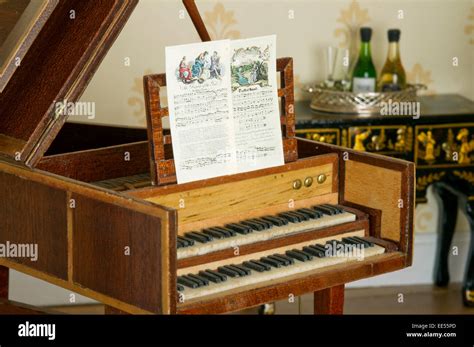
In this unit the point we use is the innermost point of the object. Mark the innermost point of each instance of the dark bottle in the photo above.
(364, 75)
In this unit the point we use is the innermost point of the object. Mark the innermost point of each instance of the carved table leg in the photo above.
(329, 301)
(446, 225)
(4, 271)
(468, 287)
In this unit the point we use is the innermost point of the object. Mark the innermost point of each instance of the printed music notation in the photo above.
(223, 107)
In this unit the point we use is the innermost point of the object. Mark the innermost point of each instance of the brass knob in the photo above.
(297, 184)
(321, 178)
(308, 181)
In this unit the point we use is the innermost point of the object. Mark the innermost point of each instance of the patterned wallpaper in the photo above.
(433, 33)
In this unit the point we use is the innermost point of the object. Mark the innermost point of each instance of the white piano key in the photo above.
(265, 235)
(273, 275)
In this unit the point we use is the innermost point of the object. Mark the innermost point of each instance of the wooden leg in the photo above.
(468, 286)
(329, 301)
(447, 222)
(4, 271)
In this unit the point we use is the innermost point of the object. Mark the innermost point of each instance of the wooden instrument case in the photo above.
(49, 193)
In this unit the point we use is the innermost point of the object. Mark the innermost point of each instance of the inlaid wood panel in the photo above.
(123, 253)
(35, 214)
(246, 192)
(379, 188)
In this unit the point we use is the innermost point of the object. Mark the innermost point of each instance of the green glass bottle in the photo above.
(364, 76)
(392, 77)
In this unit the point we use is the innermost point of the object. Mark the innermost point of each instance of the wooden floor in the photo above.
(380, 300)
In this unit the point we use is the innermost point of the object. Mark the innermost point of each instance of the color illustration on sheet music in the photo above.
(206, 66)
(250, 67)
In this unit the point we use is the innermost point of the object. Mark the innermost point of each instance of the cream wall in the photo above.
(433, 33)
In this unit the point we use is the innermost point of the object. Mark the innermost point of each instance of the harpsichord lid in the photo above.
(68, 40)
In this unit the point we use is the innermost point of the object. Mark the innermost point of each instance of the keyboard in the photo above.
(275, 265)
(195, 243)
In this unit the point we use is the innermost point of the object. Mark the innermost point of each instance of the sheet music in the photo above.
(223, 107)
(255, 101)
(200, 109)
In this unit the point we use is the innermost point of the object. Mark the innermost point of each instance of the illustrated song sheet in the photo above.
(256, 114)
(223, 107)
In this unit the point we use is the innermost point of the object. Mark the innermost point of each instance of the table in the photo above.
(439, 139)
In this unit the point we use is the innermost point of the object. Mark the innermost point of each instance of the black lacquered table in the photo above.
(441, 143)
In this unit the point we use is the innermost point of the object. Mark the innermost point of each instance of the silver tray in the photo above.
(364, 104)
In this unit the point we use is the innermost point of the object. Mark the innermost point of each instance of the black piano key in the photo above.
(296, 255)
(239, 272)
(253, 266)
(179, 287)
(209, 276)
(187, 282)
(312, 213)
(214, 233)
(253, 225)
(313, 251)
(309, 215)
(325, 210)
(243, 271)
(308, 255)
(266, 266)
(282, 261)
(265, 222)
(368, 243)
(304, 215)
(223, 277)
(179, 244)
(270, 261)
(228, 271)
(337, 208)
(240, 228)
(285, 258)
(320, 248)
(277, 221)
(331, 207)
(301, 216)
(243, 268)
(289, 217)
(202, 281)
(333, 246)
(199, 237)
(356, 241)
(187, 242)
(226, 231)
(208, 237)
(350, 241)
